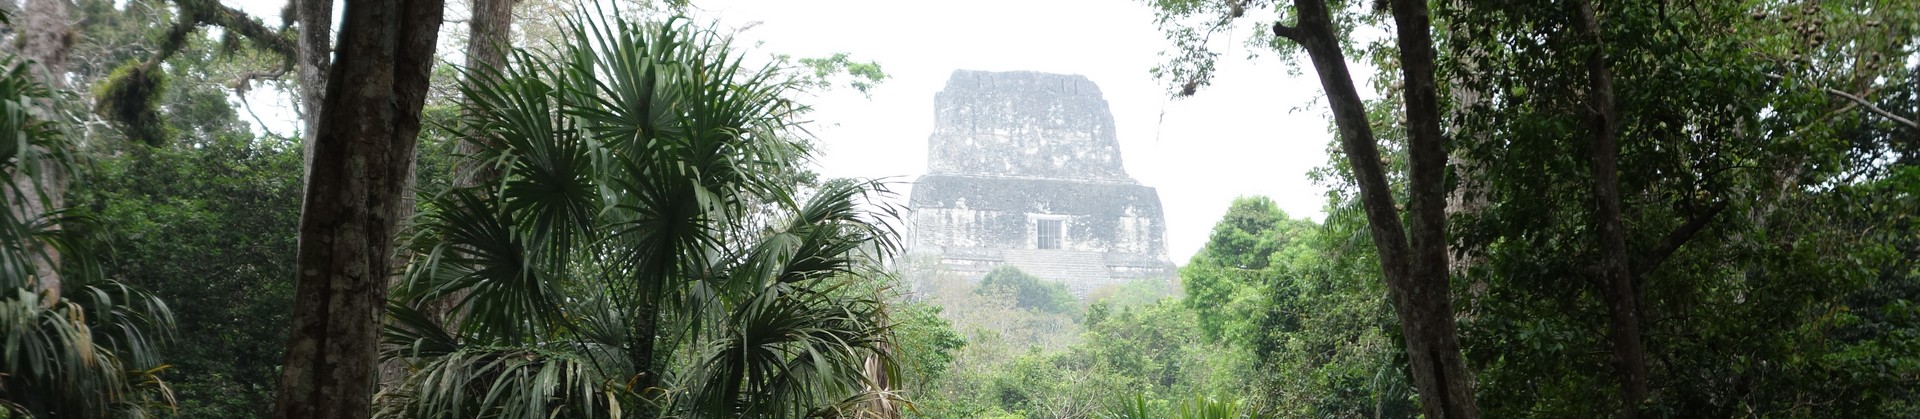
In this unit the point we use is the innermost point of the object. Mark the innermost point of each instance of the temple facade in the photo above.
(1024, 169)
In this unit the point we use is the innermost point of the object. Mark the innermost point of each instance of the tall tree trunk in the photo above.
(314, 52)
(363, 147)
(489, 32)
(1629, 356)
(1429, 283)
(1416, 268)
(46, 38)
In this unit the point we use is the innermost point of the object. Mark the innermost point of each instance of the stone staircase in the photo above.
(1083, 272)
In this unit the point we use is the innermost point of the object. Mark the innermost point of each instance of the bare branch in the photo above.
(1870, 107)
(256, 117)
(1857, 100)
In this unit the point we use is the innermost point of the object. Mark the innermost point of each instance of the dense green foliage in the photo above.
(1270, 320)
(1766, 169)
(1155, 351)
(204, 222)
(1227, 280)
(1797, 215)
(1312, 315)
(1028, 291)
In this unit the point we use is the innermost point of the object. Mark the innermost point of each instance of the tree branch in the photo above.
(1623, 306)
(195, 14)
(237, 21)
(1863, 102)
(244, 82)
(256, 117)
(1284, 31)
(1870, 107)
(1675, 239)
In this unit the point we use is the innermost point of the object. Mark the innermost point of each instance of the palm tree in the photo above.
(653, 247)
(87, 354)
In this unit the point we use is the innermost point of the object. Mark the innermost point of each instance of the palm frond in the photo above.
(789, 350)
(511, 382)
(412, 334)
(647, 201)
(92, 355)
(470, 248)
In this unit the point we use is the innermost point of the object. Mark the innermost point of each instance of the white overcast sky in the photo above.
(1255, 131)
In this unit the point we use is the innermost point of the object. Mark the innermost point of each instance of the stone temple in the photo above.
(1024, 170)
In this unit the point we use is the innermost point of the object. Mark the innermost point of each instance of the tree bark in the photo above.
(46, 39)
(1428, 284)
(315, 19)
(1415, 268)
(363, 147)
(1629, 355)
(489, 32)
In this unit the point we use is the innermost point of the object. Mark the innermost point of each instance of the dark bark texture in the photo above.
(315, 48)
(363, 149)
(1415, 265)
(1428, 285)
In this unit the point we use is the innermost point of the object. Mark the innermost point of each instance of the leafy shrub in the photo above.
(1028, 291)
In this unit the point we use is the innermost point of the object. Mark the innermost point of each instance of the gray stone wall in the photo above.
(999, 213)
(1023, 124)
(1011, 148)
